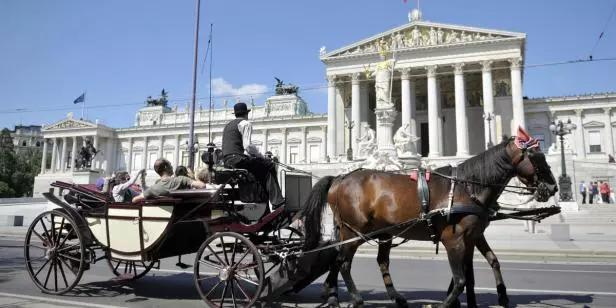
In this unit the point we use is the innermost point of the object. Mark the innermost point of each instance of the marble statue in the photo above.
(367, 142)
(382, 161)
(432, 38)
(415, 37)
(399, 39)
(404, 141)
(440, 36)
(382, 83)
(322, 51)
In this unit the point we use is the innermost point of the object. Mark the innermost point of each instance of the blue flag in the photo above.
(80, 99)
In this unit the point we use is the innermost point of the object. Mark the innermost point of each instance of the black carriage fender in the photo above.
(82, 225)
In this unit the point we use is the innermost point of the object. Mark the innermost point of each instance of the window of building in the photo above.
(23, 144)
(293, 154)
(314, 153)
(594, 141)
(152, 157)
(184, 158)
(137, 160)
(169, 157)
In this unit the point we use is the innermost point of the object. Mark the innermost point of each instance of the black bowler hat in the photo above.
(240, 109)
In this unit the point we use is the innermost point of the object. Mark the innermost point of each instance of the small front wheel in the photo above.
(228, 271)
(129, 269)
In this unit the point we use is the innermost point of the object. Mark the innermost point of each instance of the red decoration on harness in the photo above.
(524, 141)
(415, 175)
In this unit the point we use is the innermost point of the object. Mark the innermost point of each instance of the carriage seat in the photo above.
(203, 193)
(230, 175)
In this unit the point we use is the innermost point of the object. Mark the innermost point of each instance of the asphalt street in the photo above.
(421, 281)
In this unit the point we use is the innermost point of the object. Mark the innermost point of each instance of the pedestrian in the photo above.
(594, 190)
(604, 189)
(583, 190)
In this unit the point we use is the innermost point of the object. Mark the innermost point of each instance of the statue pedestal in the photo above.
(85, 176)
(384, 130)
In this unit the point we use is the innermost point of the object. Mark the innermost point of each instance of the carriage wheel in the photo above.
(129, 269)
(228, 271)
(288, 236)
(54, 252)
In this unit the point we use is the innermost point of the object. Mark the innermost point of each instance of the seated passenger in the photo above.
(121, 191)
(167, 182)
(181, 170)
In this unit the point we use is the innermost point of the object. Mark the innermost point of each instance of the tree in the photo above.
(17, 170)
(6, 191)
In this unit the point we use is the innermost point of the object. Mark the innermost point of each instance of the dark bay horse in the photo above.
(367, 200)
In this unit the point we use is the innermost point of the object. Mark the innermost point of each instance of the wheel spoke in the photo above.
(69, 267)
(62, 272)
(39, 236)
(115, 269)
(48, 274)
(224, 292)
(247, 279)
(35, 246)
(60, 231)
(214, 265)
(242, 258)
(224, 250)
(239, 286)
(233, 294)
(55, 276)
(216, 255)
(40, 269)
(234, 247)
(212, 289)
(51, 243)
(247, 267)
(69, 257)
(65, 238)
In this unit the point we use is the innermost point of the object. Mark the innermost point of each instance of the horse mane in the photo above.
(488, 167)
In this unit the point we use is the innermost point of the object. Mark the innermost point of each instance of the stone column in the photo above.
(177, 150)
(304, 147)
(283, 146)
(96, 161)
(461, 120)
(265, 133)
(610, 131)
(581, 148)
(324, 143)
(129, 163)
(109, 157)
(488, 103)
(44, 158)
(433, 138)
(63, 155)
(73, 153)
(439, 112)
(331, 117)
(144, 159)
(406, 97)
(516, 94)
(160, 149)
(355, 110)
(54, 156)
(364, 101)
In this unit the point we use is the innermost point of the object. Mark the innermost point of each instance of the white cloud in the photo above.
(221, 87)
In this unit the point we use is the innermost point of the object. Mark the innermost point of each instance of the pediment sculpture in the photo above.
(69, 124)
(404, 141)
(366, 143)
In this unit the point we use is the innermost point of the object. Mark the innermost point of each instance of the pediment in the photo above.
(294, 140)
(313, 139)
(421, 34)
(594, 124)
(70, 123)
(169, 147)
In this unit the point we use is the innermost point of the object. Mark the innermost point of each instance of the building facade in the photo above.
(459, 89)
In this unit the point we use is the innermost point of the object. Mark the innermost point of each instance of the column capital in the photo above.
(458, 68)
(304, 129)
(355, 78)
(486, 66)
(283, 130)
(607, 110)
(431, 70)
(324, 127)
(406, 73)
(578, 112)
(331, 80)
(516, 63)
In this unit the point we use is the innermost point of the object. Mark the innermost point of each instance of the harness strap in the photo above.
(423, 191)
(454, 177)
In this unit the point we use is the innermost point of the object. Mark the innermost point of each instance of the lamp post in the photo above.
(349, 125)
(564, 181)
(488, 116)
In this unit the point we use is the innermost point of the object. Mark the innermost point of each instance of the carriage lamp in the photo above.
(564, 181)
(349, 125)
(488, 116)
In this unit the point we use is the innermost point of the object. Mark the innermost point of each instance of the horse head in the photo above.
(531, 168)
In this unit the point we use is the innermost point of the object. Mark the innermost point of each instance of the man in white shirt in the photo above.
(239, 153)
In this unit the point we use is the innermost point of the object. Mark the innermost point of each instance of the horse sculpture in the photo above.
(366, 201)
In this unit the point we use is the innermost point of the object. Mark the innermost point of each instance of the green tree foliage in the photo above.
(17, 170)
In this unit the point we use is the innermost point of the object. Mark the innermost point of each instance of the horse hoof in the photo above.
(503, 301)
(332, 302)
(401, 302)
(456, 304)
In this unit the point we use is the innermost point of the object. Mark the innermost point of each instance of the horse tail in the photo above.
(313, 211)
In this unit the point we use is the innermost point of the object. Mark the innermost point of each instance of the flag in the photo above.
(80, 99)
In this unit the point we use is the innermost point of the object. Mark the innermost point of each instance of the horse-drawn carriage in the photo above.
(238, 244)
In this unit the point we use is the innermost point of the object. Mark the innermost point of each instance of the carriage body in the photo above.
(87, 226)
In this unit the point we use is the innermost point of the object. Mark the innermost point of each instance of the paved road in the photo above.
(535, 284)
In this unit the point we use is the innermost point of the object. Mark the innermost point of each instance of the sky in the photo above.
(119, 52)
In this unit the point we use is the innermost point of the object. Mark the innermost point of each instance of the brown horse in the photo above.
(365, 201)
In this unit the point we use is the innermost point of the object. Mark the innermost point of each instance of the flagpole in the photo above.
(83, 107)
(191, 133)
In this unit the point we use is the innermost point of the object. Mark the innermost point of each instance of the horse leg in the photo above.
(457, 251)
(487, 252)
(471, 299)
(345, 258)
(330, 286)
(383, 260)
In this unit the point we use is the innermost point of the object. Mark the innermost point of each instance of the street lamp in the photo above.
(488, 116)
(349, 125)
(564, 181)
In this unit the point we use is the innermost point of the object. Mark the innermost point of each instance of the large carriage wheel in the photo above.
(129, 269)
(228, 271)
(54, 252)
